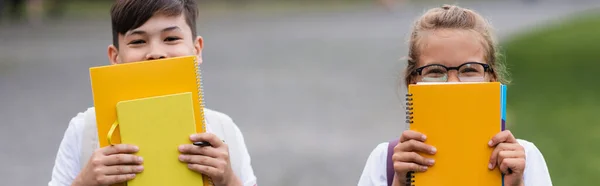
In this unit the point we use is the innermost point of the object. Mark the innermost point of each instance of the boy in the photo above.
(147, 30)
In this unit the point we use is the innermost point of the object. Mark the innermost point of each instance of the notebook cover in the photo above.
(459, 120)
(114, 83)
(158, 125)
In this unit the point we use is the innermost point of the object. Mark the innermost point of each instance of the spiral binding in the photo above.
(201, 100)
(200, 91)
(409, 120)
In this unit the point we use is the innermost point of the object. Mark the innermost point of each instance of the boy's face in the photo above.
(160, 37)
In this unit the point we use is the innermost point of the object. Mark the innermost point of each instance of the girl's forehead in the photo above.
(451, 47)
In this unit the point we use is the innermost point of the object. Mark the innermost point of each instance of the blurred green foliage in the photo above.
(554, 99)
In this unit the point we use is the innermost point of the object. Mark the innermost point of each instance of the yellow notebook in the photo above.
(114, 83)
(158, 125)
(458, 119)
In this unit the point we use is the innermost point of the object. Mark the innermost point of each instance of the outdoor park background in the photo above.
(312, 85)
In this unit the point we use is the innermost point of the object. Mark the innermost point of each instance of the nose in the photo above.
(453, 76)
(156, 53)
(155, 56)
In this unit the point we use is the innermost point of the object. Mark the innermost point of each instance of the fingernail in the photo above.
(190, 166)
(490, 166)
(140, 159)
(433, 150)
(490, 143)
(136, 148)
(139, 168)
(424, 168)
(430, 161)
(181, 157)
(423, 137)
(181, 147)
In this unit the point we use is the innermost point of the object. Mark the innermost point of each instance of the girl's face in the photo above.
(452, 48)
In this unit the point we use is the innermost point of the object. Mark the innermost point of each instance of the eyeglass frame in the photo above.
(486, 67)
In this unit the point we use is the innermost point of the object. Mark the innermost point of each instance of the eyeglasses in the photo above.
(467, 72)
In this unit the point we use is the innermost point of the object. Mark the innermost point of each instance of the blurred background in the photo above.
(313, 85)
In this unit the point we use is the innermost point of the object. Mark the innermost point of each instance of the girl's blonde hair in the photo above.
(455, 17)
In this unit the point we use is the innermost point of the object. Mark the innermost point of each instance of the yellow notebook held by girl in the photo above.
(131, 81)
(458, 119)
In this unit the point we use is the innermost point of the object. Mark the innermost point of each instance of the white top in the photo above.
(536, 172)
(80, 140)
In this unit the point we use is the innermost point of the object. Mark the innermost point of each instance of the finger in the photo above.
(120, 149)
(509, 154)
(122, 159)
(208, 137)
(516, 165)
(499, 148)
(206, 170)
(412, 157)
(201, 160)
(195, 150)
(502, 137)
(112, 179)
(123, 169)
(410, 134)
(404, 167)
(413, 145)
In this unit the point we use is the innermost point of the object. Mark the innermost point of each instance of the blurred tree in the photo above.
(56, 8)
(15, 8)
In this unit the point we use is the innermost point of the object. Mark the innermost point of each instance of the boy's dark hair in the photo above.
(127, 15)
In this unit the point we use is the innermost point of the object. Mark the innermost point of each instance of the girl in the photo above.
(451, 36)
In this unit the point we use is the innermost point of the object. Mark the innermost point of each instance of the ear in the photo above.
(198, 46)
(413, 80)
(113, 55)
(491, 75)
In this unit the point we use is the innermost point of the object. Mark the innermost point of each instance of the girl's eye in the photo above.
(435, 71)
(469, 70)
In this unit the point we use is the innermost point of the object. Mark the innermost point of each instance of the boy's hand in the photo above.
(110, 165)
(211, 160)
(407, 159)
(509, 156)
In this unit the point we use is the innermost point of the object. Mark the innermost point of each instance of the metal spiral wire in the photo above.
(409, 120)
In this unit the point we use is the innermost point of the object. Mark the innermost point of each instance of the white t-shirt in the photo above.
(536, 172)
(80, 140)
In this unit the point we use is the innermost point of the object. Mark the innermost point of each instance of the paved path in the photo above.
(313, 93)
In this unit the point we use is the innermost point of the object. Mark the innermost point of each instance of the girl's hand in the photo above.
(407, 159)
(509, 156)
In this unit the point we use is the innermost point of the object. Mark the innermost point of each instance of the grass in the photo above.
(554, 98)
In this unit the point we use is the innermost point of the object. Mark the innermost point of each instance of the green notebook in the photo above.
(158, 125)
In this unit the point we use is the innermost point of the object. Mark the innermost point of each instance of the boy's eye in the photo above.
(137, 42)
(172, 38)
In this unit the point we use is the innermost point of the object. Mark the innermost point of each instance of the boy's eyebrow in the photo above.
(171, 28)
(141, 32)
(136, 32)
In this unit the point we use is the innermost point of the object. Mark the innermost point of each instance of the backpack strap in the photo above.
(390, 164)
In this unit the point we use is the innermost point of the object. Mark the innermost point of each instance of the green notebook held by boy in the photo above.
(158, 125)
